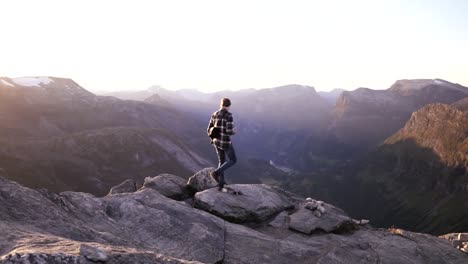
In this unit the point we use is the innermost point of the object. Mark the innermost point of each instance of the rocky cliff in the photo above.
(171, 221)
(417, 179)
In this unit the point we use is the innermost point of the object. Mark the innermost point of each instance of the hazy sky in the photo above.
(216, 45)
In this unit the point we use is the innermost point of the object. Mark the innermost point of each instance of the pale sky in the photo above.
(218, 45)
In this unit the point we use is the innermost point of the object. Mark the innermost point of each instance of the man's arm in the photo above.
(230, 129)
(210, 125)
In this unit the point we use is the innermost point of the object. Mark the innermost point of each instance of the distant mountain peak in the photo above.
(408, 86)
(156, 88)
(294, 87)
(43, 88)
(33, 81)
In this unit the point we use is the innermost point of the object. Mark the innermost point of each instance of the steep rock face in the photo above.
(462, 104)
(440, 127)
(146, 227)
(332, 95)
(366, 116)
(418, 179)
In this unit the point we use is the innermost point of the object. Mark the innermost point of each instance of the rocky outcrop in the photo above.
(257, 203)
(125, 187)
(169, 185)
(202, 180)
(140, 221)
(148, 227)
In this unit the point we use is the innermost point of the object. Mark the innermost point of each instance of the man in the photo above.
(223, 120)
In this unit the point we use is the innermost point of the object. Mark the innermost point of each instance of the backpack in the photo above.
(214, 131)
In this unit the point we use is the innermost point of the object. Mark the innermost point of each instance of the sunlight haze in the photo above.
(218, 45)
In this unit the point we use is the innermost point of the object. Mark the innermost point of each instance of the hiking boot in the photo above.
(215, 176)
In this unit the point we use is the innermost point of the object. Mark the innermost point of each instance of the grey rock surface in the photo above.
(147, 227)
(144, 220)
(257, 203)
(244, 245)
(280, 221)
(127, 186)
(305, 221)
(202, 180)
(92, 253)
(168, 185)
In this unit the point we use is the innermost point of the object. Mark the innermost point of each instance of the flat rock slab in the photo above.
(246, 246)
(257, 203)
(306, 222)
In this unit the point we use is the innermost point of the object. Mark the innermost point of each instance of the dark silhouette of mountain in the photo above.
(418, 179)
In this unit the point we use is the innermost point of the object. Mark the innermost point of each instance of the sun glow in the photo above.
(215, 45)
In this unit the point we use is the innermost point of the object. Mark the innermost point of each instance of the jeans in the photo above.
(223, 164)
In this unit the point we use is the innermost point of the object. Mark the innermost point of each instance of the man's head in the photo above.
(226, 103)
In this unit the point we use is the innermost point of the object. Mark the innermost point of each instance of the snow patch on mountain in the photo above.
(32, 81)
(7, 83)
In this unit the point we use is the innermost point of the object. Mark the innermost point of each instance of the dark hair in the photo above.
(225, 102)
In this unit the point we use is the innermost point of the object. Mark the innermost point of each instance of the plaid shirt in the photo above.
(222, 119)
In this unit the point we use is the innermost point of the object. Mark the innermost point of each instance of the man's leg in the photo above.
(221, 159)
(226, 165)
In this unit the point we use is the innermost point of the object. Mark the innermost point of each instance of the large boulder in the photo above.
(202, 180)
(168, 185)
(333, 220)
(257, 203)
(127, 186)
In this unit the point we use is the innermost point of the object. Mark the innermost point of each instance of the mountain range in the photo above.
(390, 146)
(54, 134)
